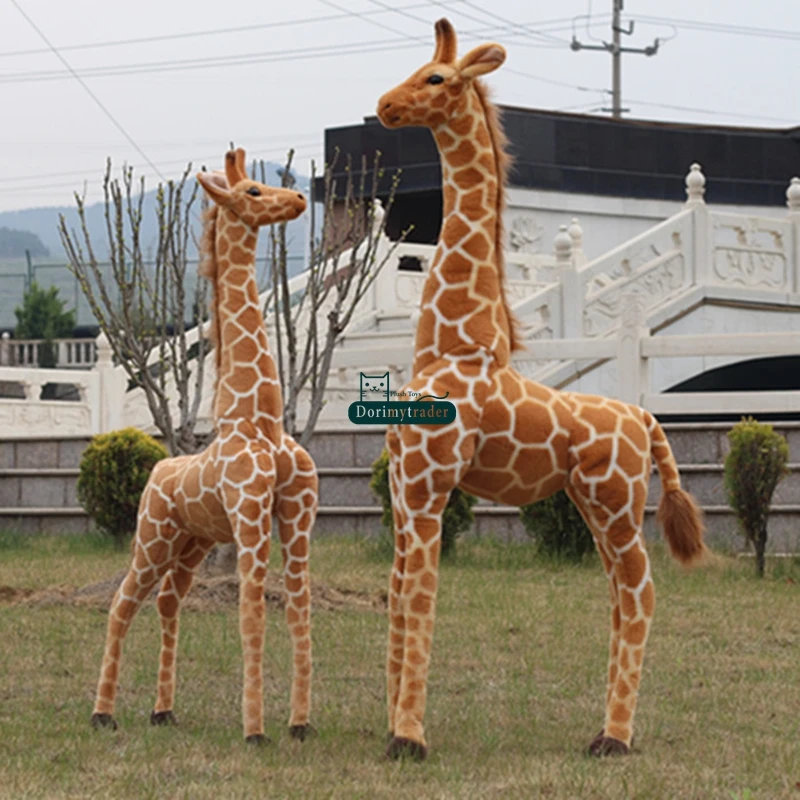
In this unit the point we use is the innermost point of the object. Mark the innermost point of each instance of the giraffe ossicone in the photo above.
(251, 472)
(514, 441)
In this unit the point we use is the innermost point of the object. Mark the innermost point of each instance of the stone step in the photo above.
(707, 442)
(30, 487)
(499, 522)
(369, 340)
(38, 488)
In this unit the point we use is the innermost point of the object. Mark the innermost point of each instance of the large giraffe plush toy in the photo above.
(514, 441)
(229, 492)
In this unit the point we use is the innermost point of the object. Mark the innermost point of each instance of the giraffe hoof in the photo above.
(258, 739)
(400, 747)
(302, 732)
(607, 746)
(104, 721)
(162, 718)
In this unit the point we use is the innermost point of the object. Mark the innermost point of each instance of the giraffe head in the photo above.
(254, 203)
(440, 89)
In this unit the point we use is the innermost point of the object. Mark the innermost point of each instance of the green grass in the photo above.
(515, 693)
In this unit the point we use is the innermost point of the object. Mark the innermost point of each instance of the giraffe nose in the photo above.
(386, 106)
(300, 197)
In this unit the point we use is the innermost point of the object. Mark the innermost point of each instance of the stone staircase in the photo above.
(38, 486)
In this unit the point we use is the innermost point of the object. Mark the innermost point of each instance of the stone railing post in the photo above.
(5, 350)
(571, 286)
(575, 232)
(383, 285)
(793, 205)
(702, 244)
(112, 388)
(633, 374)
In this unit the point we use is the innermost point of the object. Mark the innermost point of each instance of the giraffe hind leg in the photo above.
(296, 509)
(174, 588)
(621, 547)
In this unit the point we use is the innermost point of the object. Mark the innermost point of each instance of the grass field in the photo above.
(516, 688)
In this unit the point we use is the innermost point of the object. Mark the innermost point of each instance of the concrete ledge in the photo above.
(23, 511)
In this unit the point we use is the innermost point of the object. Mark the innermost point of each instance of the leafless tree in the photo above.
(344, 259)
(141, 300)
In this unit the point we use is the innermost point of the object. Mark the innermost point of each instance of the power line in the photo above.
(253, 145)
(710, 112)
(208, 32)
(35, 189)
(716, 27)
(540, 78)
(512, 25)
(91, 94)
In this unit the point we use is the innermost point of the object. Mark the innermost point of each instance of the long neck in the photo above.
(462, 302)
(247, 379)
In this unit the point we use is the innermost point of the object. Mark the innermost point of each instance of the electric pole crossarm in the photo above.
(616, 49)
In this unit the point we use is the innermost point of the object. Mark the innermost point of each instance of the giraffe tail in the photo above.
(680, 517)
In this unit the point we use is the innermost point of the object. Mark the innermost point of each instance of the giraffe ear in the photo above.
(216, 186)
(446, 42)
(235, 166)
(484, 58)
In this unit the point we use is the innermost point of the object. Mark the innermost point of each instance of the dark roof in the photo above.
(598, 155)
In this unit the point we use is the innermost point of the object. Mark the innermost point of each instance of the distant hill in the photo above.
(41, 224)
(14, 243)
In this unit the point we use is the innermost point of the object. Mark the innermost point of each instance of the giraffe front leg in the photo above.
(253, 546)
(396, 644)
(174, 589)
(417, 607)
(296, 511)
(141, 578)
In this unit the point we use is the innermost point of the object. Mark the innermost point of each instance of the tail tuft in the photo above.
(679, 515)
(682, 522)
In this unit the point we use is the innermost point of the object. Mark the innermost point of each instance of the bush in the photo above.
(756, 463)
(457, 516)
(558, 528)
(114, 469)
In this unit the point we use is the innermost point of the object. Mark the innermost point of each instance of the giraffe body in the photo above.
(252, 472)
(514, 441)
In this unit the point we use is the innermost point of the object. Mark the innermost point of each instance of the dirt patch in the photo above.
(209, 593)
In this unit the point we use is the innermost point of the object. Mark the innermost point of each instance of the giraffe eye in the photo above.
(434, 79)
(254, 191)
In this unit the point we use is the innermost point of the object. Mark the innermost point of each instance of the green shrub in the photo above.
(756, 463)
(558, 528)
(457, 516)
(114, 469)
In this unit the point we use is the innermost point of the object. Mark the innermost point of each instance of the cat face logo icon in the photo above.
(374, 387)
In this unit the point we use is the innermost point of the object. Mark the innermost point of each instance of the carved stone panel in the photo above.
(525, 234)
(750, 252)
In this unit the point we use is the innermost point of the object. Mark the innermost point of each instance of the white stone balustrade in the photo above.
(695, 267)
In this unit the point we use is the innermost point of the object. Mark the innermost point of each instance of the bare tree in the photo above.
(343, 262)
(141, 300)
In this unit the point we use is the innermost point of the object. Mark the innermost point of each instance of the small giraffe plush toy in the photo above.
(514, 441)
(230, 491)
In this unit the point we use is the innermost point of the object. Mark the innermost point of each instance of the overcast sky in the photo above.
(160, 68)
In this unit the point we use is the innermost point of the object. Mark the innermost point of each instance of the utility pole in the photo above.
(616, 50)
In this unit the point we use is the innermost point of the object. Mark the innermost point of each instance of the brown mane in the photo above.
(503, 163)
(207, 268)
